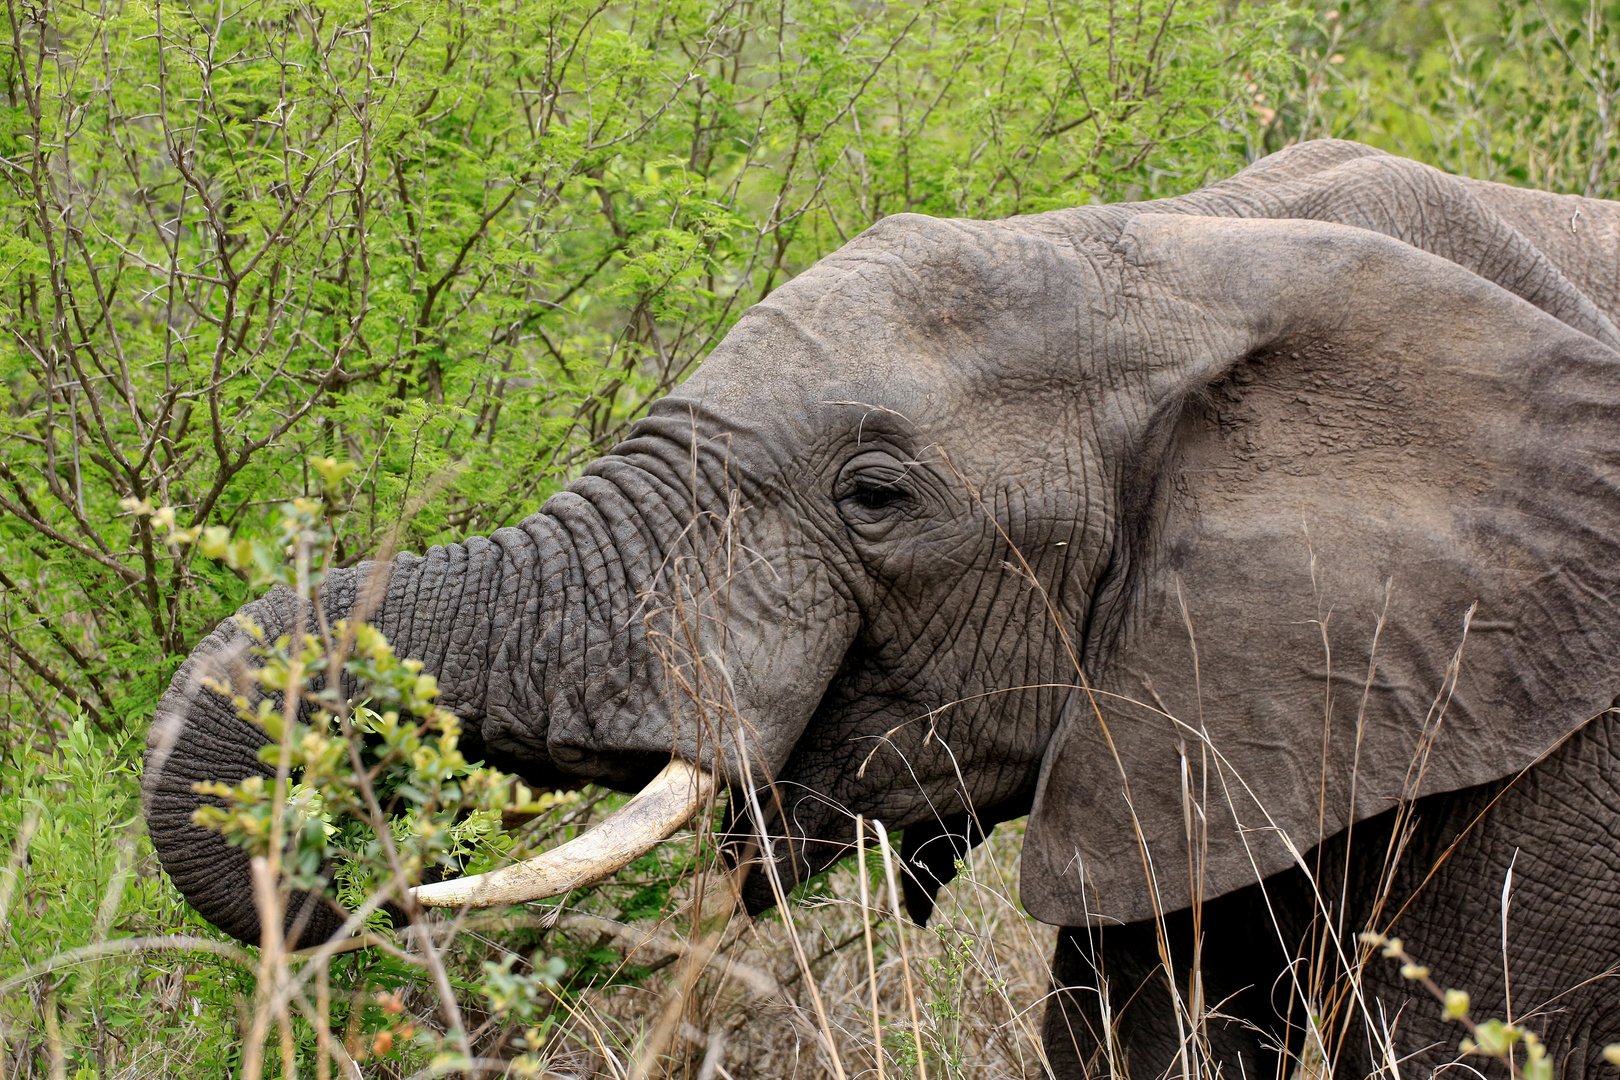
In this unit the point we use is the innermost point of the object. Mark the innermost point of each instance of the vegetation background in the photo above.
(461, 245)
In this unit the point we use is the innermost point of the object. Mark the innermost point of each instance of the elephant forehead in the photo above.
(949, 284)
(912, 307)
(983, 268)
(855, 347)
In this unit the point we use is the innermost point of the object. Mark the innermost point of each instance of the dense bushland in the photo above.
(459, 247)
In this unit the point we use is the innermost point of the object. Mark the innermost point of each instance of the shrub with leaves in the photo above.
(462, 246)
(1523, 92)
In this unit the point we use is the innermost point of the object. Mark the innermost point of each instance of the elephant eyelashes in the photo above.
(875, 496)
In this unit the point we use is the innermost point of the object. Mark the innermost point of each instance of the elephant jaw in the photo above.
(668, 801)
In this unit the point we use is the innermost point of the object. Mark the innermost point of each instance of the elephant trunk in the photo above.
(595, 639)
(487, 617)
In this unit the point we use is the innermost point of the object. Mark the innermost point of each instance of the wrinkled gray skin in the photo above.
(1199, 447)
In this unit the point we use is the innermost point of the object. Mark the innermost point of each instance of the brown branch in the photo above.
(61, 639)
(124, 572)
(39, 668)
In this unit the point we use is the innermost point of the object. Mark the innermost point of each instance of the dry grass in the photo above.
(827, 986)
(979, 979)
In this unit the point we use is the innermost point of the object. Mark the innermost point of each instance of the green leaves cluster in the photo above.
(397, 752)
(1523, 92)
(382, 789)
(368, 792)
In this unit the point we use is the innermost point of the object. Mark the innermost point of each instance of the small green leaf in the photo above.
(1495, 1038)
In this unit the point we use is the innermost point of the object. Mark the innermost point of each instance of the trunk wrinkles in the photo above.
(497, 620)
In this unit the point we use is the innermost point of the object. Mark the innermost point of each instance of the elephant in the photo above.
(1260, 544)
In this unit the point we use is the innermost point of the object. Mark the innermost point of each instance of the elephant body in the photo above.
(1240, 539)
(1556, 827)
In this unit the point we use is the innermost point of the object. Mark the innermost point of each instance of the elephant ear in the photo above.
(1367, 551)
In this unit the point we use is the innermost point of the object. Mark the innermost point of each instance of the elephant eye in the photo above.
(873, 491)
(875, 495)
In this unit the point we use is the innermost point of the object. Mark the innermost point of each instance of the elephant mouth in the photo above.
(668, 801)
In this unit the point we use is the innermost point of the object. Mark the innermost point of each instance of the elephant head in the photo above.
(1198, 529)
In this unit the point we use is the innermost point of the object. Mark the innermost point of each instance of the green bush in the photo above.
(1523, 92)
(462, 246)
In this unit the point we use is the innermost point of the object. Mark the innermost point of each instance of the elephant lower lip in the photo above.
(570, 754)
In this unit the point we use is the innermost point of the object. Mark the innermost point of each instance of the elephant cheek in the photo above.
(731, 694)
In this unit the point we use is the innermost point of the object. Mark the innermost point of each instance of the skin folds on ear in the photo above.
(1379, 557)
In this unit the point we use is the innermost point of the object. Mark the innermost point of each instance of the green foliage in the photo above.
(943, 975)
(88, 876)
(1523, 91)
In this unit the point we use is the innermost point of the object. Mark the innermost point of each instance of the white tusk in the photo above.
(657, 810)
